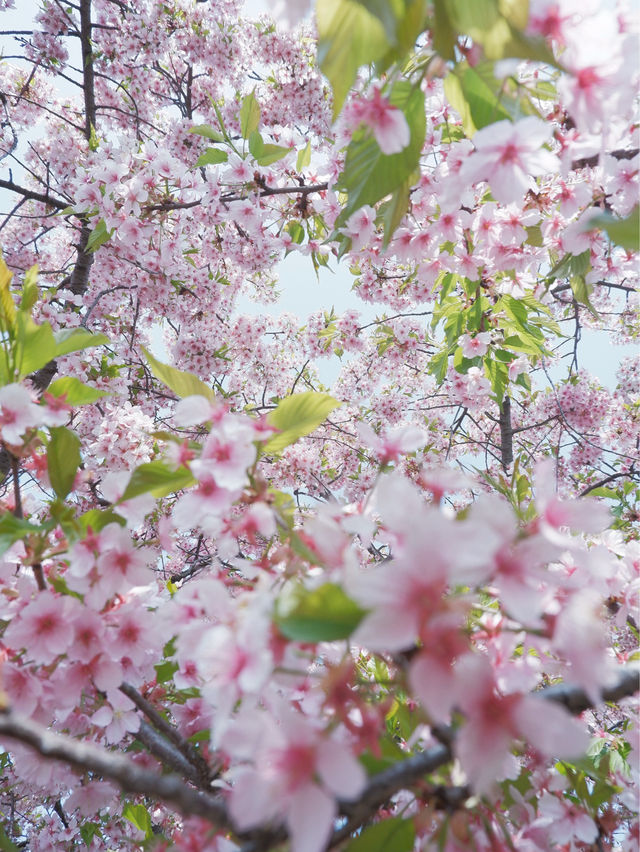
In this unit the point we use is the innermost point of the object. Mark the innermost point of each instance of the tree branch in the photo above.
(199, 769)
(131, 778)
(506, 434)
(32, 195)
(406, 773)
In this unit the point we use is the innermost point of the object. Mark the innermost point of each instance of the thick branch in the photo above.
(87, 68)
(32, 195)
(623, 154)
(198, 768)
(166, 753)
(506, 434)
(278, 190)
(131, 778)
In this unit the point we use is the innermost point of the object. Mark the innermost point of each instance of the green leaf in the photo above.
(256, 144)
(139, 816)
(30, 293)
(74, 391)
(13, 529)
(98, 519)
(581, 292)
(75, 339)
(304, 157)
(89, 830)
(7, 305)
(211, 157)
(249, 115)
(369, 174)
(497, 27)
(389, 835)
(63, 459)
(392, 212)
(99, 236)
(180, 382)
(6, 844)
(36, 345)
(158, 479)
(470, 94)
(165, 671)
(271, 154)
(296, 416)
(444, 35)
(622, 232)
(349, 36)
(208, 132)
(319, 615)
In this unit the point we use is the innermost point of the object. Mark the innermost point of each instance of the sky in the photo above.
(303, 293)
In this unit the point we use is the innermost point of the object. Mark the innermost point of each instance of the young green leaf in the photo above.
(63, 459)
(158, 479)
(296, 416)
(74, 391)
(180, 382)
(208, 132)
(30, 291)
(12, 529)
(477, 97)
(622, 232)
(390, 835)
(211, 157)
(271, 154)
(249, 115)
(349, 36)
(304, 157)
(7, 305)
(139, 816)
(99, 236)
(369, 174)
(318, 615)
(75, 339)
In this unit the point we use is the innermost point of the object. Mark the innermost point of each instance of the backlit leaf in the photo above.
(180, 382)
(63, 459)
(349, 36)
(296, 416)
(389, 835)
(318, 615)
(157, 479)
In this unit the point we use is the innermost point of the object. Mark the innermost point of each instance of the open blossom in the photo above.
(298, 772)
(508, 156)
(472, 347)
(387, 122)
(44, 627)
(18, 413)
(360, 227)
(117, 717)
(494, 720)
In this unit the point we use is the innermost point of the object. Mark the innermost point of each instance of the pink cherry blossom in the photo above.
(18, 413)
(387, 122)
(508, 156)
(477, 345)
(43, 627)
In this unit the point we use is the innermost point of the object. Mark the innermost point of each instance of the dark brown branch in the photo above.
(31, 195)
(166, 753)
(506, 434)
(621, 475)
(199, 769)
(87, 757)
(278, 190)
(583, 162)
(87, 68)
